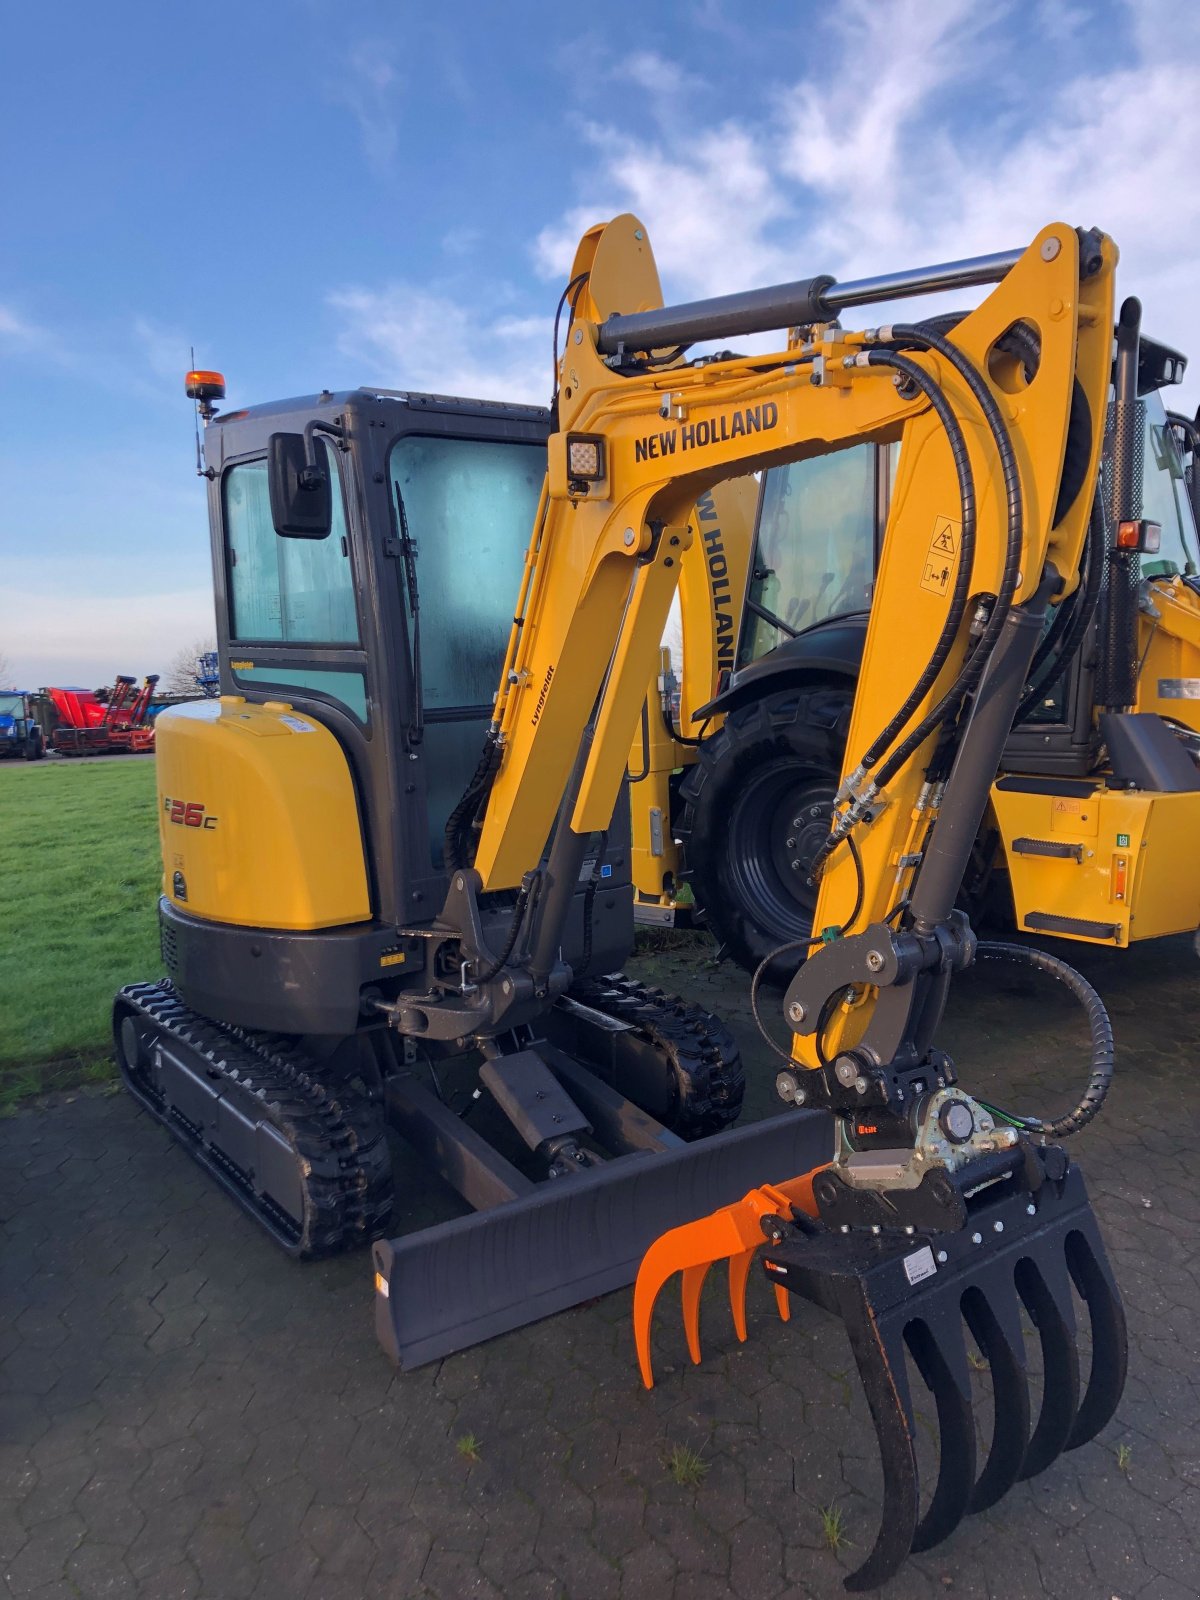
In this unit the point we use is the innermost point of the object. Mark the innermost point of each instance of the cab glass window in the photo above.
(1165, 497)
(814, 555)
(297, 591)
(470, 507)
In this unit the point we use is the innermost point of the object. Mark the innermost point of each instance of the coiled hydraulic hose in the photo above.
(973, 666)
(1100, 1028)
(921, 380)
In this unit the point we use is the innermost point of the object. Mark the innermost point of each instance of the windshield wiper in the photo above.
(408, 555)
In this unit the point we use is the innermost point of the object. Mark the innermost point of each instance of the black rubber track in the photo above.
(769, 764)
(682, 1064)
(336, 1134)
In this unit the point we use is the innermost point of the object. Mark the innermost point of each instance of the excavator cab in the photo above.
(319, 814)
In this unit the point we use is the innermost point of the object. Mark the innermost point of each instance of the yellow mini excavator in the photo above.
(387, 891)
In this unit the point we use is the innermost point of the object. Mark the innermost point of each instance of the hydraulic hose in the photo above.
(917, 376)
(1086, 599)
(976, 661)
(1100, 1028)
(974, 664)
(807, 944)
(514, 929)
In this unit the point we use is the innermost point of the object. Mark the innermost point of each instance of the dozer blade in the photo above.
(454, 1285)
(920, 1294)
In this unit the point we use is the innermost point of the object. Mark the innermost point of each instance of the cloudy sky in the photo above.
(384, 192)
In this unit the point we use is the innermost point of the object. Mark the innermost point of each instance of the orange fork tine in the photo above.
(798, 1192)
(739, 1273)
(691, 1250)
(735, 1233)
(693, 1283)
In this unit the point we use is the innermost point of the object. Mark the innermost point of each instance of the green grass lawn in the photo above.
(79, 879)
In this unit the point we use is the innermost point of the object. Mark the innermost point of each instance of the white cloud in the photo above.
(658, 76)
(166, 350)
(406, 337)
(61, 637)
(17, 332)
(710, 202)
(922, 133)
(918, 139)
(16, 328)
(368, 87)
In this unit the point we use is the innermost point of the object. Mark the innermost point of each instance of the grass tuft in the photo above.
(687, 1466)
(468, 1447)
(1124, 1456)
(833, 1527)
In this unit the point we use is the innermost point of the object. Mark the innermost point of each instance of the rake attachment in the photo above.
(898, 1291)
(734, 1233)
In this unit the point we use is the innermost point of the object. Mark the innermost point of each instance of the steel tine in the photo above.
(673, 1252)
(739, 1275)
(1047, 1297)
(879, 1354)
(693, 1284)
(783, 1301)
(940, 1352)
(1110, 1340)
(999, 1338)
(691, 1249)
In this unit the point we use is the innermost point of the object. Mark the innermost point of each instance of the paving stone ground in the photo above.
(185, 1413)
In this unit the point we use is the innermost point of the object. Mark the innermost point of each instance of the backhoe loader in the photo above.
(747, 804)
(359, 908)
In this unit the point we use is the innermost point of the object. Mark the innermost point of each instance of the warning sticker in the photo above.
(919, 1265)
(941, 556)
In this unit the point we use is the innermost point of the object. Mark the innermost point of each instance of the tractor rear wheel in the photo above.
(755, 809)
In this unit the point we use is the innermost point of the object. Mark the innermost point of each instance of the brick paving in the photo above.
(186, 1413)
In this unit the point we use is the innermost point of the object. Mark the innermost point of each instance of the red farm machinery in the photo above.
(112, 721)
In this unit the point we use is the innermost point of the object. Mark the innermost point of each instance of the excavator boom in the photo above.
(1000, 430)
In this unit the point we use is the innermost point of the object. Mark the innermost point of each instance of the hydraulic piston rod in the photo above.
(788, 304)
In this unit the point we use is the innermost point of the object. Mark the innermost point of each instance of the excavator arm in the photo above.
(938, 1213)
(653, 440)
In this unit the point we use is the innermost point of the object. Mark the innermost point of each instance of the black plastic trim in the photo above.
(1076, 927)
(1047, 847)
(1076, 788)
(279, 981)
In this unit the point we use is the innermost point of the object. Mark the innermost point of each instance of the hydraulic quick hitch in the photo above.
(1028, 1235)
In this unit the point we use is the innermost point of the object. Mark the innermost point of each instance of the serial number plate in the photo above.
(920, 1265)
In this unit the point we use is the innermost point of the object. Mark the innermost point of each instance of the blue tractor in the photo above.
(20, 733)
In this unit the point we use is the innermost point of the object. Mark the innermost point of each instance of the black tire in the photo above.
(35, 748)
(768, 777)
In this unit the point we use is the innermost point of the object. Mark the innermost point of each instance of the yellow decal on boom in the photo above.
(942, 555)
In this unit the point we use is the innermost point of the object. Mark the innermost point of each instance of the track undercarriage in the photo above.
(302, 1144)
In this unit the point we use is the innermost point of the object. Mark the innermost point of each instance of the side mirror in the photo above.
(301, 500)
